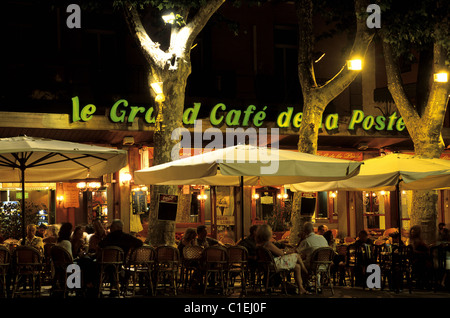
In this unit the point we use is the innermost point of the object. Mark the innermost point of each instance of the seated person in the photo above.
(32, 240)
(189, 239)
(202, 238)
(291, 261)
(118, 238)
(310, 243)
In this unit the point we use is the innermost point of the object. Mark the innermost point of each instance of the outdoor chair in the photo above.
(110, 260)
(267, 273)
(60, 259)
(350, 263)
(167, 265)
(364, 257)
(320, 268)
(5, 261)
(28, 266)
(400, 267)
(47, 264)
(438, 254)
(215, 261)
(190, 267)
(140, 266)
(238, 266)
(339, 270)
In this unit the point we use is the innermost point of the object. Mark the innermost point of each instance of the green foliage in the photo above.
(279, 220)
(11, 218)
(416, 24)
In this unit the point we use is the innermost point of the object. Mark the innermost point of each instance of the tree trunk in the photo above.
(424, 205)
(169, 117)
(316, 97)
(425, 131)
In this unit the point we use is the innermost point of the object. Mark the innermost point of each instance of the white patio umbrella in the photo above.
(46, 160)
(390, 173)
(247, 165)
(385, 173)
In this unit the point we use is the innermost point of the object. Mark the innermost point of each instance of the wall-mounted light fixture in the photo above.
(93, 185)
(125, 178)
(140, 188)
(441, 77)
(158, 89)
(255, 196)
(282, 196)
(354, 65)
(202, 197)
(60, 199)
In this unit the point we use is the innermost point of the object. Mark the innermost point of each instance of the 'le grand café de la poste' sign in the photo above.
(121, 112)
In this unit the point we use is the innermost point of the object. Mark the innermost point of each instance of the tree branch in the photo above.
(152, 53)
(395, 86)
(363, 38)
(304, 9)
(199, 21)
(438, 98)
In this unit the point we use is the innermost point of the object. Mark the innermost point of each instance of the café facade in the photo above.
(89, 85)
(116, 195)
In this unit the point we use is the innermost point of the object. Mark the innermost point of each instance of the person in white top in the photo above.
(64, 237)
(310, 243)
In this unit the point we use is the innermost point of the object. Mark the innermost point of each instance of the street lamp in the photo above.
(169, 18)
(354, 65)
(158, 89)
(441, 77)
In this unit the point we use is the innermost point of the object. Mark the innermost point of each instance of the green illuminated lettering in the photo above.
(392, 119)
(232, 118)
(75, 109)
(284, 118)
(212, 117)
(380, 122)
(259, 117)
(357, 118)
(148, 116)
(190, 115)
(113, 113)
(87, 112)
(368, 122)
(250, 109)
(296, 122)
(400, 125)
(134, 110)
(331, 122)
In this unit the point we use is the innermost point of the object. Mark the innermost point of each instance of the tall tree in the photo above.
(317, 96)
(419, 31)
(170, 65)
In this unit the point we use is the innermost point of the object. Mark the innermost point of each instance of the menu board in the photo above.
(71, 195)
(167, 207)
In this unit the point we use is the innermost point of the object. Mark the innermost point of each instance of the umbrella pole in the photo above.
(399, 207)
(22, 169)
(241, 184)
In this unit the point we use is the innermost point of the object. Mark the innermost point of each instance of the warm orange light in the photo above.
(81, 185)
(441, 77)
(354, 65)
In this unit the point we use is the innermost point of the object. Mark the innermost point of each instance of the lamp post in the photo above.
(354, 64)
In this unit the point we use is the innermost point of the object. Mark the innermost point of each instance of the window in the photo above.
(286, 82)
